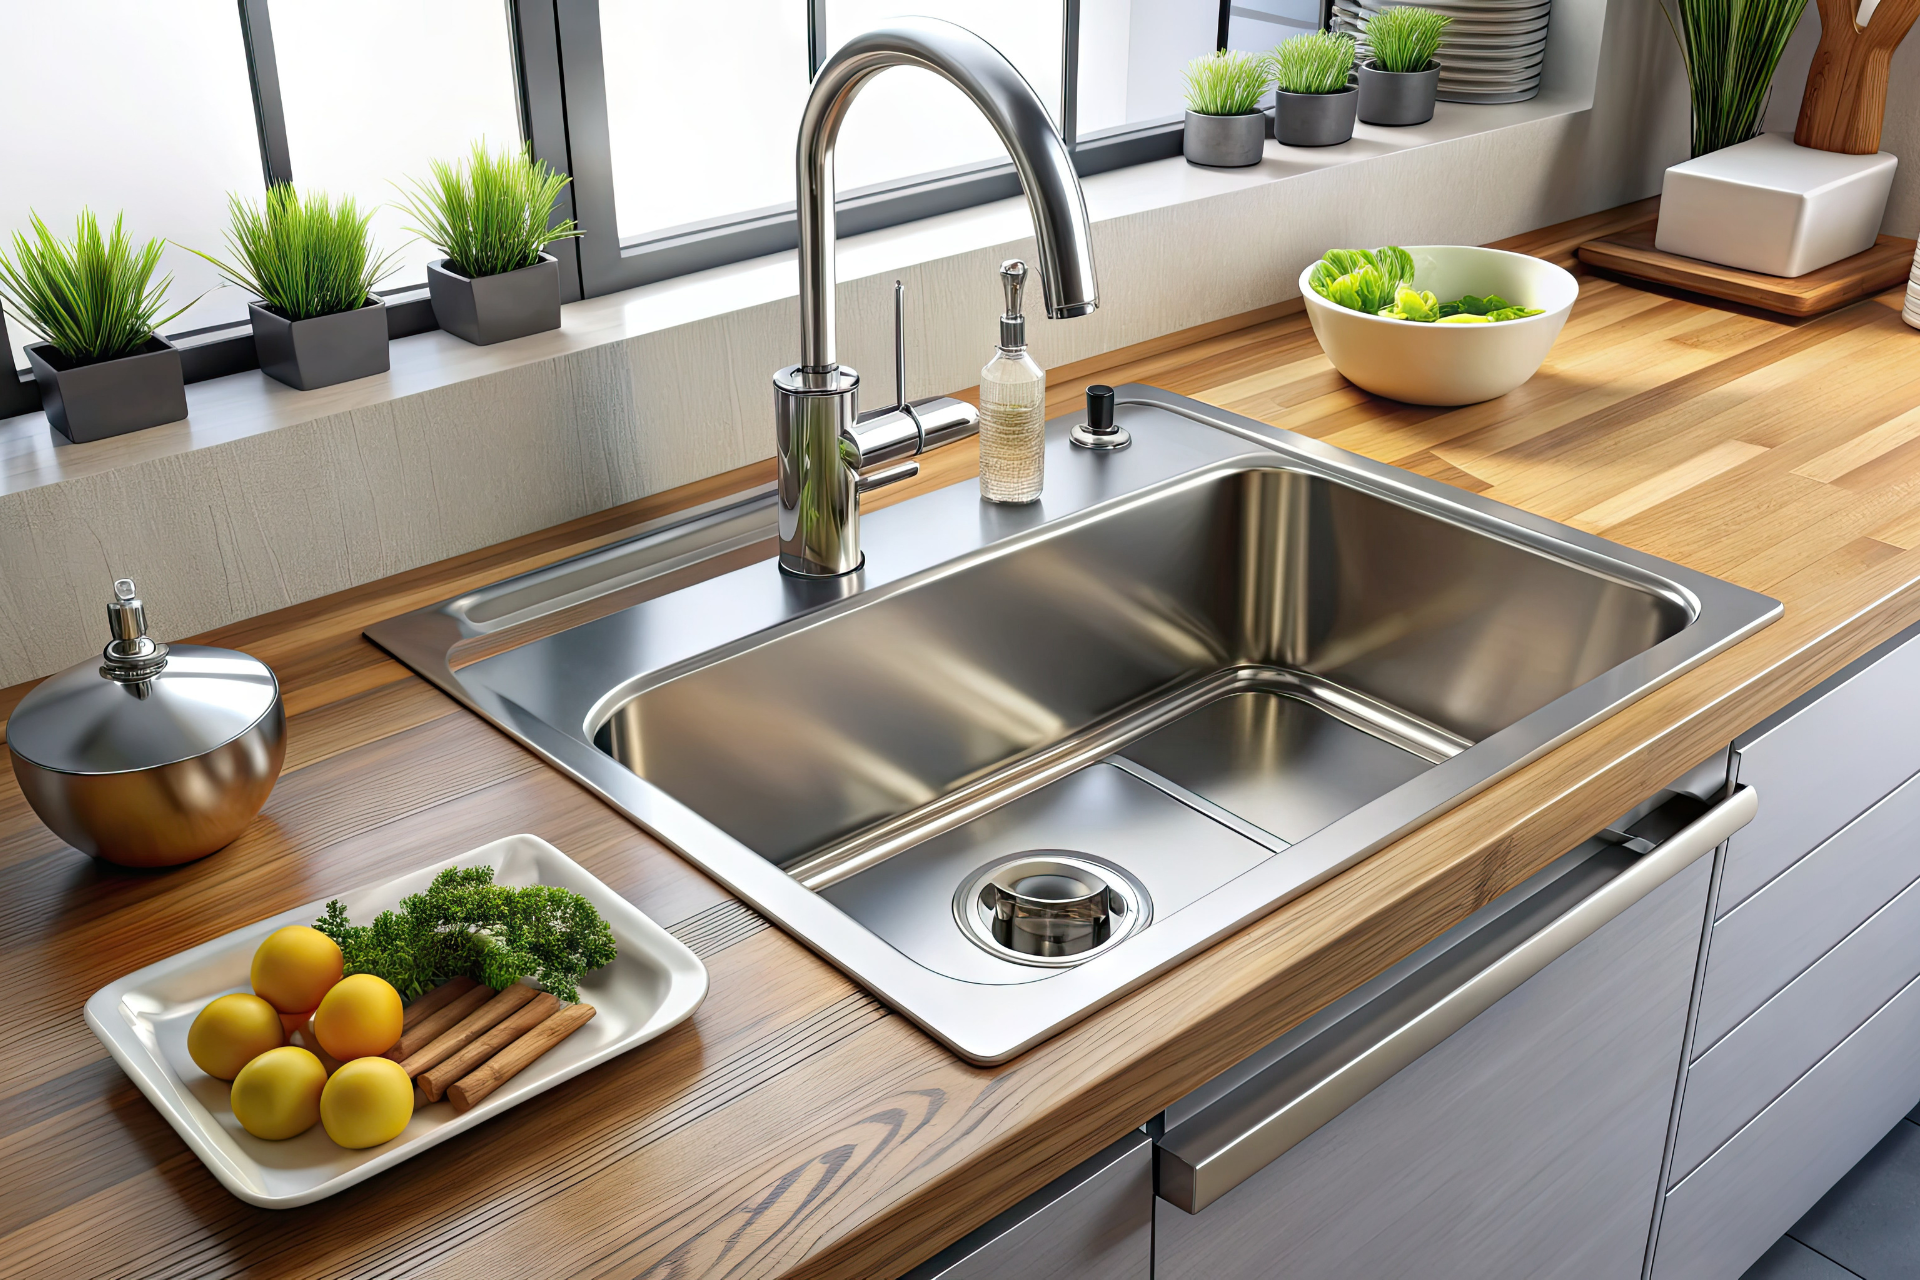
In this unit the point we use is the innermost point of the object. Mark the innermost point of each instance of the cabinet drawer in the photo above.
(1824, 760)
(1726, 1213)
(1756, 1062)
(1762, 945)
(1094, 1222)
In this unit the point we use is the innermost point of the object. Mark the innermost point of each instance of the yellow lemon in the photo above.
(277, 1095)
(295, 967)
(358, 1018)
(231, 1032)
(368, 1102)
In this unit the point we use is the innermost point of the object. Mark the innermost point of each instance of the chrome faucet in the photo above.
(824, 443)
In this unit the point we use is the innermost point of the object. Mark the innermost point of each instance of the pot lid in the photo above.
(145, 704)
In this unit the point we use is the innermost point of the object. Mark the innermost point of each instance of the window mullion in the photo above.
(534, 25)
(1070, 75)
(269, 117)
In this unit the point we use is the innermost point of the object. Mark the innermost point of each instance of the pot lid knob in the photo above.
(131, 655)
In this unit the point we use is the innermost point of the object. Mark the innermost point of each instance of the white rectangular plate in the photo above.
(143, 1019)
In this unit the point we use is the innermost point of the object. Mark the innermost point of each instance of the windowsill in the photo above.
(248, 404)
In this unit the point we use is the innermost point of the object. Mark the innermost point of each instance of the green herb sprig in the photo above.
(1227, 83)
(93, 297)
(1380, 283)
(466, 924)
(1314, 62)
(1405, 37)
(302, 256)
(1731, 48)
(489, 214)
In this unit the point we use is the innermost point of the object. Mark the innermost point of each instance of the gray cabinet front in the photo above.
(1528, 1143)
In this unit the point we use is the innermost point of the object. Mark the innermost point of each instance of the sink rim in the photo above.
(989, 1024)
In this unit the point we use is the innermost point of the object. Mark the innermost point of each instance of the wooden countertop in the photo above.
(795, 1126)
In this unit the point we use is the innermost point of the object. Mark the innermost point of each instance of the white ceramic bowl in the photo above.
(1447, 364)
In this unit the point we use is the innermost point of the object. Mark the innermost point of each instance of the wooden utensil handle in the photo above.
(1845, 102)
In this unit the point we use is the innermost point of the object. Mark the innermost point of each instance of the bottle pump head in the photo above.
(1013, 325)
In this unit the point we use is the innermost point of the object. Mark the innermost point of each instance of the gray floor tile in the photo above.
(1791, 1260)
(1870, 1221)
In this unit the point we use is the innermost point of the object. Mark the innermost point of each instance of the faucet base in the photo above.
(819, 470)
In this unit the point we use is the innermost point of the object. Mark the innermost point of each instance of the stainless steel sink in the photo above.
(1205, 673)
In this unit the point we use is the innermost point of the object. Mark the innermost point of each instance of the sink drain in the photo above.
(1050, 907)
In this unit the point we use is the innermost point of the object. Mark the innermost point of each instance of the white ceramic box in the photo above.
(1767, 205)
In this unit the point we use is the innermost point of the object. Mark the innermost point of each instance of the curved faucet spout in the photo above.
(1041, 159)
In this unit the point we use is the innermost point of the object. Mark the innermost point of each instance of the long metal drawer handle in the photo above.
(1196, 1172)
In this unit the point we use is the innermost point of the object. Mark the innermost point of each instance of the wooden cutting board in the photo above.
(1631, 253)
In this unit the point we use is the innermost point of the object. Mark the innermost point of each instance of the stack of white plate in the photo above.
(1911, 312)
(1491, 52)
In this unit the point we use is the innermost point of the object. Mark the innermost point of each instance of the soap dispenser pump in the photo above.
(1013, 405)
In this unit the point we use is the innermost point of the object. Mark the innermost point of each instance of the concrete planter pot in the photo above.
(489, 309)
(1225, 142)
(1397, 97)
(1314, 119)
(321, 350)
(110, 397)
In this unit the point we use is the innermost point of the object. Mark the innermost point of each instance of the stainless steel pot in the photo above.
(156, 755)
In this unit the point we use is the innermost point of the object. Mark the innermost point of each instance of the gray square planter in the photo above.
(110, 397)
(489, 309)
(321, 350)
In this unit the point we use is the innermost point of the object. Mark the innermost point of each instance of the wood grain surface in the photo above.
(794, 1126)
(1632, 253)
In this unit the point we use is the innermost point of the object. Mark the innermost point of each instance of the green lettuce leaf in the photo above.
(1412, 304)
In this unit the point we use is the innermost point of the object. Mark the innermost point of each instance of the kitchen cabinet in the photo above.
(1498, 1104)
(1805, 1048)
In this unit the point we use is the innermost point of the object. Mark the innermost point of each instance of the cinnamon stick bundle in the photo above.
(515, 1058)
(464, 1032)
(438, 1022)
(532, 1013)
(433, 1001)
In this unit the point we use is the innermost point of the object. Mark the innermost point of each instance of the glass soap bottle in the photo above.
(1013, 406)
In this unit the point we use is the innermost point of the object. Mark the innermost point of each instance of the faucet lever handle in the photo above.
(899, 344)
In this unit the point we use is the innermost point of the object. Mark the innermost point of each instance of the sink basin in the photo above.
(1205, 673)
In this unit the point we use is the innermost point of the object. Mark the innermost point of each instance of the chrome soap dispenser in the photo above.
(1013, 406)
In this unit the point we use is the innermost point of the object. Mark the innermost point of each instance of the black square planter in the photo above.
(489, 309)
(321, 350)
(110, 397)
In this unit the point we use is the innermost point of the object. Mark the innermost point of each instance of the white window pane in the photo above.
(374, 90)
(1132, 53)
(160, 125)
(703, 104)
(1258, 25)
(908, 122)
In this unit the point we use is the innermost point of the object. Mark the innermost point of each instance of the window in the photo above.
(675, 120)
(1258, 25)
(357, 125)
(159, 123)
(1132, 54)
(708, 136)
(909, 123)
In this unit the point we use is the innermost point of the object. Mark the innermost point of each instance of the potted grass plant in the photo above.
(1313, 105)
(1398, 81)
(493, 218)
(311, 265)
(1225, 127)
(101, 367)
